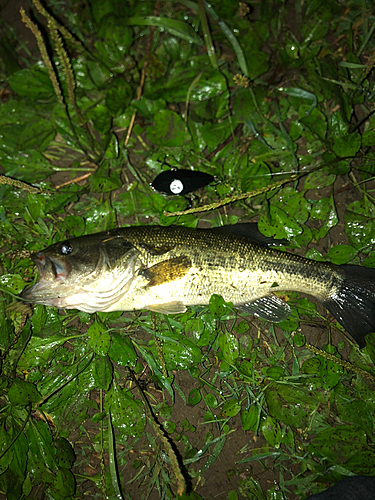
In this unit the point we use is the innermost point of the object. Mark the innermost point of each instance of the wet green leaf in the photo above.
(64, 453)
(181, 354)
(102, 372)
(324, 209)
(127, 413)
(278, 225)
(13, 282)
(194, 397)
(34, 83)
(23, 393)
(341, 254)
(231, 408)
(249, 418)
(98, 338)
(347, 145)
(319, 179)
(121, 350)
(290, 404)
(64, 484)
(229, 347)
(338, 443)
(360, 224)
(271, 431)
(169, 130)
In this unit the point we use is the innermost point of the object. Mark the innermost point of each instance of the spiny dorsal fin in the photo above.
(250, 231)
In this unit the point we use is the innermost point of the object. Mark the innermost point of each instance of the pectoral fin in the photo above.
(168, 308)
(271, 308)
(167, 271)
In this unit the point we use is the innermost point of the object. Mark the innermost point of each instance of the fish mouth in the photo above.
(52, 273)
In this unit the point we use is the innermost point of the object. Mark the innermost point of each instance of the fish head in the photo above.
(88, 273)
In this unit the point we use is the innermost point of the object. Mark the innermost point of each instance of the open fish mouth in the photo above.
(52, 273)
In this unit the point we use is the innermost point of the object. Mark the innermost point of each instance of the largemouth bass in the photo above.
(165, 269)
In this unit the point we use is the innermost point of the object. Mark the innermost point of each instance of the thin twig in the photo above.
(340, 362)
(77, 179)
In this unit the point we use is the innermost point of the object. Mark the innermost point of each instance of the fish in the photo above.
(167, 269)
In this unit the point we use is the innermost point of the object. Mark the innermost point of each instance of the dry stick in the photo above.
(139, 94)
(231, 199)
(77, 179)
(344, 364)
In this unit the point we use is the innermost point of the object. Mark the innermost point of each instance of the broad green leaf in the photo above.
(13, 282)
(122, 350)
(341, 254)
(279, 225)
(102, 372)
(271, 431)
(249, 418)
(99, 338)
(64, 453)
(319, 179)
(194, 397)
(218, 306)
(347, 145)
(128, 414)
(231, 408)
(329, 371)
(169, 130)
(290, 404)
(229, 347)
(41, 451)
(64, 485)
(324, 209)
(118, 97)
(180, 354)
(338, 443)
(34, 83)
(360, 224)
(23, 393)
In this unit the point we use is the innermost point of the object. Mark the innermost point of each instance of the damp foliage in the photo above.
(275, 101)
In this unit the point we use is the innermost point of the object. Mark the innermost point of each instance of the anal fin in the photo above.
(270, 308)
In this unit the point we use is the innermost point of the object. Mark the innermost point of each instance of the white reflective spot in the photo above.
(176, 186)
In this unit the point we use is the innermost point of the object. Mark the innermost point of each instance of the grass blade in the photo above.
(176, 28)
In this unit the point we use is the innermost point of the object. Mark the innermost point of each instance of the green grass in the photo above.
(275, 99)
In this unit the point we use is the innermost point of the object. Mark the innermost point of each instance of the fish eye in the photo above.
(66, 248)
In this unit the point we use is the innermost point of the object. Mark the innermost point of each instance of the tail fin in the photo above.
(353, 306)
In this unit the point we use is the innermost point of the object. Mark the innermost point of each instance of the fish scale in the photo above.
(166, 269)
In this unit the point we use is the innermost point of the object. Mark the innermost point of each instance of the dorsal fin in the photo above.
(250, 231)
